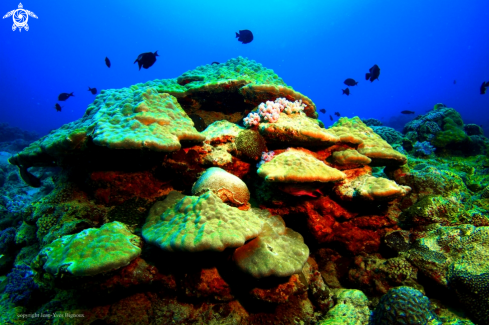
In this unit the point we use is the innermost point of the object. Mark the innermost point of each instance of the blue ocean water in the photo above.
(428, 51)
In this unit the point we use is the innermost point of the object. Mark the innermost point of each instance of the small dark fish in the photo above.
(92, 90)
(346, 91)
(64, 96)
(373, 73)
(244, 36)
(337, 114)
(407, 112)
(350, 82)
(146, 60)
(215, 62)
(28, 178)
(322, 110)
(199, 123)
(330, 117)
(58, 107)
(455, 82)
(107, 62)
(484, 87)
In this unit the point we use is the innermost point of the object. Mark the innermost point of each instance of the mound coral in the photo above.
(91, 251)
(353, 131)
(277, 251)
(296, 166)
(403, 305)
(199, 223)
(250, 144)
(225, 185)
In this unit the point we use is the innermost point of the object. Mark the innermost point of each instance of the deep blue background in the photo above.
(421, 46)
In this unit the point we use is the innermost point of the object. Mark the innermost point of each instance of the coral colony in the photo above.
(262, 215)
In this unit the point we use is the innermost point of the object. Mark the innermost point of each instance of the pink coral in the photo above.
(270, 111)
(251, 120)
(265, 157)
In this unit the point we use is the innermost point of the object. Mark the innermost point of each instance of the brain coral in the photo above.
(225, 185)
(92, 251)
(403, 305)
(199, 223)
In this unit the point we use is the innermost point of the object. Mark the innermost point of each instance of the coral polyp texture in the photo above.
(403, 305)
(350, 157)
(270, 111)
(298, 166)
(370, 188)
(225, 185)
(129, 119)
(118, 119)
(369, 143)
(275, 252)
(91, 251)
(200, 223)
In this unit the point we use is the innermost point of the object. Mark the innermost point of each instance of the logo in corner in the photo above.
(20, 17)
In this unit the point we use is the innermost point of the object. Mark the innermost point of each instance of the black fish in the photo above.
(350, 82)
(64, 96)
(199, 123)
(92, 90)
(346, 91)
(215, 62)
(322, 110)
(483, 87)
(455, 82)
(146, 60)
(337, 114)
(330, 117)
(407, 112)
(245, 36)
(373, 73)
(58, 107)
(28, 178)
(107, 62)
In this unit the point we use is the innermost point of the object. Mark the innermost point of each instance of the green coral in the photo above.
(351, 309)
(453, 133)
(251, 144)
(198, 223)
(91, 251)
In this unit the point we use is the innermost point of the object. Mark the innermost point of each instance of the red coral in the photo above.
(281, 293)
(207, 283)
(115, 187)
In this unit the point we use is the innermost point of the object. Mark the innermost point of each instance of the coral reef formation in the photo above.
(218, 197)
